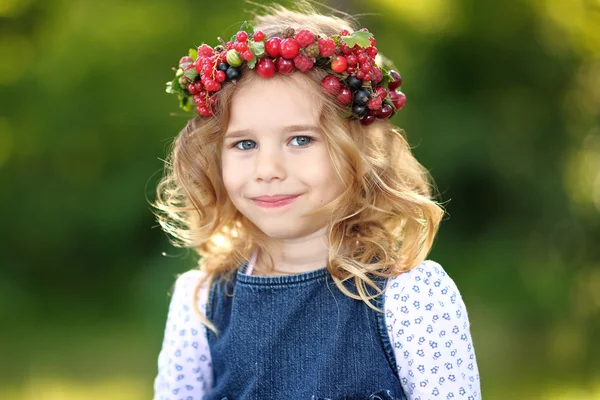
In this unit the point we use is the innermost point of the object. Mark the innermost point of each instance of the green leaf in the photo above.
(252, 62)
(191, 73)
(184, 103)
(247, 27)
(359, 38)
(193, 53)
(258, 48)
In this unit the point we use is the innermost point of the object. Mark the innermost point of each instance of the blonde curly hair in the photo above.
(386, 212)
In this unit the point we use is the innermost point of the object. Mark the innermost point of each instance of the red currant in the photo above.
(289, 48)
(344, 32)
(265, 68)
(345, 49)
(241, 36)
(339, 64)
(372, 52)
(247, 55)
(284, 66)
(345, 97)
(192, 89)
(352, 60)
(366, 68)
(360, 75)
(241, 46)
(272, 46)
(331, 84)
(362, 58)
(259, 36)
(374, 103)
(229, 45)
(373, 41)
(220, 76)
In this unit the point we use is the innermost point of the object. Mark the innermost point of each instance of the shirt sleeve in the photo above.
(184, 362)
(428, 326)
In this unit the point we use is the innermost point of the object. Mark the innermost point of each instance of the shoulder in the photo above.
(187, 289)
(425, 279)
(427, 288)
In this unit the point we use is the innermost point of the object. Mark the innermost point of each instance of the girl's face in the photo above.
(273, 147)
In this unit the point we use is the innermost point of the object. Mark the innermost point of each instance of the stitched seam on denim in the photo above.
(285, 280)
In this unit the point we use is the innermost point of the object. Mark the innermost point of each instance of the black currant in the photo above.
(354, 82)
(362, 97)
(233, 74)
(359, 110)
(222, 66)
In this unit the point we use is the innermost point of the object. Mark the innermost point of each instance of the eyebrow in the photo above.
(287, 129)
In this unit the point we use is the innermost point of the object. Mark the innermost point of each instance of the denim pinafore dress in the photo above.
(297, 337)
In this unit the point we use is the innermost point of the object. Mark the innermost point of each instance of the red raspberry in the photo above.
(303, 63)
(331, 84)
(265, 68)
(374, 103)
(229, 45)
(345, 97)
(377, 74)
(272, 47)
(339, 64)
(381, 92)
(373, 41)
(326, 47)
(305, 38)
(205, 50)
(259, 36)
(241, 36)
(289, 48)
(284, 66)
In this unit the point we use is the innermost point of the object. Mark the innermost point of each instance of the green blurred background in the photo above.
(504, 109)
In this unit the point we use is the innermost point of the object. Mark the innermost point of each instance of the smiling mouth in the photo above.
(276, 202)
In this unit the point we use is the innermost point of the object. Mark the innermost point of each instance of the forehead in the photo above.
(270, 104)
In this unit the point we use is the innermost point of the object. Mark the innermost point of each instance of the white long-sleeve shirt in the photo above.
(426, 321)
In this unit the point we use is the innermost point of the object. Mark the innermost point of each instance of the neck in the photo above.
(295, 256)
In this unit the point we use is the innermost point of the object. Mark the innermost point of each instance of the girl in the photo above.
(312, 221)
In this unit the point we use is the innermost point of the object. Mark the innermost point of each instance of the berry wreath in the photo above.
(368, 90)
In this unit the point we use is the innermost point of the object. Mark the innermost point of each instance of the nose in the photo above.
(270, 164)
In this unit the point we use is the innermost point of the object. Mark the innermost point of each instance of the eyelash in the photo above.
(248, 140)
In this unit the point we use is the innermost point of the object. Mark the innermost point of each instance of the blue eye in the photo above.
(303, 140)
(251, 142)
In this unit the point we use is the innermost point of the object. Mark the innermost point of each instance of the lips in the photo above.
(275, 198)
